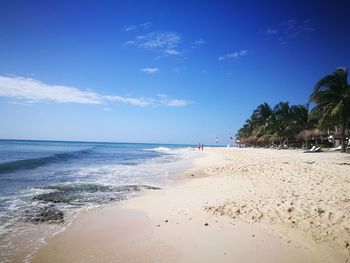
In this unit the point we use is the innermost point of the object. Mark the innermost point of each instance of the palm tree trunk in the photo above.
(343, 137)
(343, 150)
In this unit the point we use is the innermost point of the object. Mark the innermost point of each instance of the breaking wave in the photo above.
(37, 162)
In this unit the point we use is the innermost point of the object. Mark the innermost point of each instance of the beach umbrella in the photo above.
(303, 135)
(316, 132)
(261, 139)
(274, 138)
(338, 135)
(264, 138)
(241, 141)
(251, 140)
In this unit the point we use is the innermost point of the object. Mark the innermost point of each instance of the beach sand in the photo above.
(237, 205)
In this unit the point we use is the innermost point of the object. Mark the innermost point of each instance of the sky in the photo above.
(159, 71)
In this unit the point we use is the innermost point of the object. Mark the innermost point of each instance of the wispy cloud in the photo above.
(140, 102)
(143, 26)
(172, 52)
(288, 30)
(32, 90)
(198, 42)
(20, 103)
(270, 32)
(175, 102)
(150, 70)
(28, 91)
(172, 102)
(234, 55)
(166, 43)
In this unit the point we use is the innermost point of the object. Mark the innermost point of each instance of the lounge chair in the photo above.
(318, 149)
(314, 149)
(337, 148)
(310, 150)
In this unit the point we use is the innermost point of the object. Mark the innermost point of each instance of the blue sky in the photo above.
(159, 71)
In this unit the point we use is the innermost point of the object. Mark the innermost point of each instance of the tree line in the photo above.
(284, 122)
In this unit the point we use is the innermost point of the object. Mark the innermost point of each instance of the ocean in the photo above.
(44, 184)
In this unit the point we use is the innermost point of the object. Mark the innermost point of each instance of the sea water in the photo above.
(47, 182)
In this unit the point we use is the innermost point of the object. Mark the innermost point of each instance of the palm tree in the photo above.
(260, 118)
(332, 97)
(301, 119)
(281, 122)
(245, 131)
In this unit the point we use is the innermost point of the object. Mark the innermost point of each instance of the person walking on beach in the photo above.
(202, 146)
(199, 146)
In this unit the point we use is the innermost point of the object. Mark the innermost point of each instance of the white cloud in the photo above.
(141, 102)
(175, 102)
(144, 26)
(150, 70)
(27, 91)
(130, 42)
(198, 42)
(164, 42)
(172, 102)
(20, 103)
(234, 55)
(172, 52)
(271, 32)
(32, 91)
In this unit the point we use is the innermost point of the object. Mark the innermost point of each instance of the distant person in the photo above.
(202, 146)
(199, 146)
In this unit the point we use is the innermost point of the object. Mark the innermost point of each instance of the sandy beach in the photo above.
(236, 205)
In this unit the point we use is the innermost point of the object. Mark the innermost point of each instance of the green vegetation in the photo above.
(332, 97)
(286, 123)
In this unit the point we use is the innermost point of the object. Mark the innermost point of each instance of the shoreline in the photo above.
(195, 219)
(23, 238)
